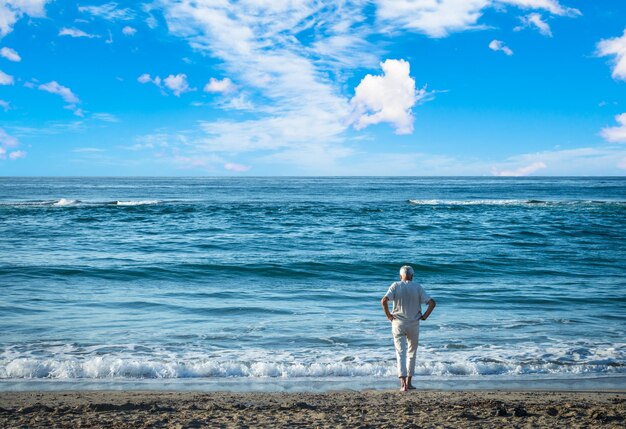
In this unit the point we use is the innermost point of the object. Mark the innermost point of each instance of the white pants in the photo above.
(403, 333)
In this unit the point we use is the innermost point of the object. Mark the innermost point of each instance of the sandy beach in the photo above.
(367, 409)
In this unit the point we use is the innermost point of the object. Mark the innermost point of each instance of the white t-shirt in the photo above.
(407, 297)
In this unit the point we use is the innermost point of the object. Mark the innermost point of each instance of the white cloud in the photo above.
(240, 102)
(552, 6)
(440, 18)
(5, 105)
(435, 18)
(145, 78)
(109, 11)
(237, 168)
(105, 117)
(129, 31)
(387, 98)
(55, 88)
(88, 150)
(7, 140)
(498, 45)
(177, 84)
(12, 10)
(75, 32)
(521, 171)
(535, 20)
(10, 54)
(622, 164)
(6, 79)
(616, 134)
(257, 45)
(296, 56)
(216, 85)
(16, 154)
(617, 47)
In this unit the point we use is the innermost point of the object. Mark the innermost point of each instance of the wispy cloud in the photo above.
(55, 88)
(75, 32)
(535, 20)
(65, 93)
(432, 18)
(10, 54)
(87, 150)
(5, 105)
(105, 117)
(8, 143)
(236, 168)
(521, 171)
(498, 45)
(109, 11)
(552, 6)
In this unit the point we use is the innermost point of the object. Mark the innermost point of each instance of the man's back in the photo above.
(407, 297)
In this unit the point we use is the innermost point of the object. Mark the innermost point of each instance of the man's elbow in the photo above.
(432, 303)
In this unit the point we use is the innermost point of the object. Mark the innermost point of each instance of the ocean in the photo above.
(279, 280)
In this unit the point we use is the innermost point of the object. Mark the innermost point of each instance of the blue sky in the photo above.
(303, 87)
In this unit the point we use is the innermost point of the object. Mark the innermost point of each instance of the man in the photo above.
(408, 297)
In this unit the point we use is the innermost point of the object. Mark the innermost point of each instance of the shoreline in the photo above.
(367, 408)
(553, 383)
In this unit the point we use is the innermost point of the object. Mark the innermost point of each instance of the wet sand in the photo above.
(343, 409)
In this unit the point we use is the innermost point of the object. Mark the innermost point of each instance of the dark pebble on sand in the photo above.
(520, 411)
(500, 411)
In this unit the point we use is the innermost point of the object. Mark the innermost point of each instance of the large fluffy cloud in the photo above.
(615, 47)
(387, 98)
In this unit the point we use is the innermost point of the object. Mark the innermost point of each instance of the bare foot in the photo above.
(411, 387)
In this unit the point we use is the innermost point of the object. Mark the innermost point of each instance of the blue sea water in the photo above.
(281, 278)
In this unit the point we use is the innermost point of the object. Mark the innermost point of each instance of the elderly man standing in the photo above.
(408, 297)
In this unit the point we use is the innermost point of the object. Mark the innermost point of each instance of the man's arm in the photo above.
(431, 306)
(386, 308)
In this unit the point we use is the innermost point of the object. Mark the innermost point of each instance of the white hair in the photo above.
(406, 271)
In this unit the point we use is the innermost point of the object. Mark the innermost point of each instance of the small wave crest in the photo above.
(68, 202)
(506, 202)
(136, 203)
